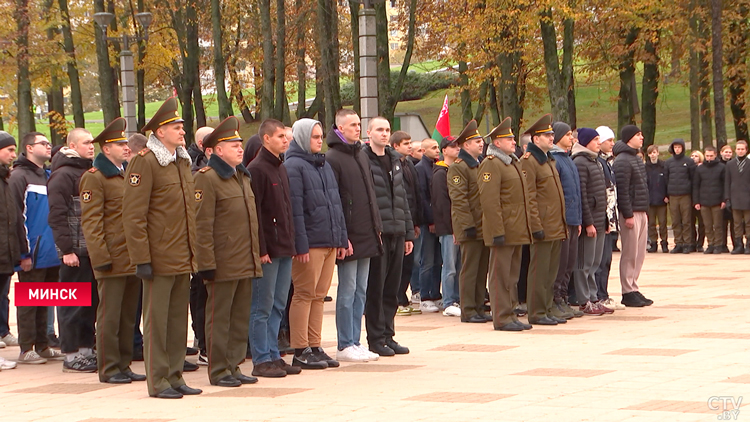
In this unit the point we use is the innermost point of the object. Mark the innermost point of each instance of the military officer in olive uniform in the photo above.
(547, 221)
(158, 214)
(227, 252)
(505, 223)
(466, 215)
(101, 191)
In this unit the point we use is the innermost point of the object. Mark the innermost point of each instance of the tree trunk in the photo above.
(280, 79)
(107, 80)
(75, 83)
(625, 110)
(650, 88)
(482, 101)
(200, 109)
(558, 95)
(718, 73)
(465, 94)
(493, 104)
(25, 117)
(354, 19)
(327, 72)
(567, 76)
(225, 106)
(266, 97)
(301, 53)
(394, 94)
(140, 77)
(736, 60)
(704, 94)
(695, 111)
(55, 106)
(384, 60)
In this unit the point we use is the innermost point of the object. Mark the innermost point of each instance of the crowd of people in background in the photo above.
(482, 228)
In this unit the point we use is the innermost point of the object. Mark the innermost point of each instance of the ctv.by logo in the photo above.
(723, 403)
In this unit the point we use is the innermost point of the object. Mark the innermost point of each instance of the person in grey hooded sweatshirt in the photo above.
(320, 238)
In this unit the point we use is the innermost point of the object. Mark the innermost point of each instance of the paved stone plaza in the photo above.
(672, 361)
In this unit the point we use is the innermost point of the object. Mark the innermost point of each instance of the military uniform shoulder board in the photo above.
(204, 169)
(93, 170)
(458, 160)
(490, 157)
(527, 155)
(143, 152)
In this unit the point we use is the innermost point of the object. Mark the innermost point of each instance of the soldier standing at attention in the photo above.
(158, 214)
(101, 191)
(466, 214)
(505, 223)
(227, 251)
(548, 226)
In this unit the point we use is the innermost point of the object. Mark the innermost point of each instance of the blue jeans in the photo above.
(4, 305)
(429, 268)
(451, 262)
(350, 301)
(270, 294)
(417, 252)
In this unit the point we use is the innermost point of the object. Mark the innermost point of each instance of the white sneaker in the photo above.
(612, 304)
(452, 310)
(2, 345)
(416, 298)
(9, 340)
(366, 353)
(7, 364)
(439, 304)
(350, 354)
(429, 306)
(31, 357)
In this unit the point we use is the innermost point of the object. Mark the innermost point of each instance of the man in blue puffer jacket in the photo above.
(320, 238)
(573, 217)
(39, 260)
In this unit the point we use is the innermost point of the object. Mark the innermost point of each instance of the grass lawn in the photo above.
(595, 102)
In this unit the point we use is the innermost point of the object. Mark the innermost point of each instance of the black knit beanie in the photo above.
(628, 132)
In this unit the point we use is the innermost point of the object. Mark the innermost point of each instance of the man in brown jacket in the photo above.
(505, 218)
(227, 251)
(547, 221)
(466, 214)
(101, 191)
(159, 220)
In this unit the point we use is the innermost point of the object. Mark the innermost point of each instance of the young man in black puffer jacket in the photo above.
(632, 204)
(76, 322)
(396, 237)
(679, 171)
(708, 195)
(657, 199)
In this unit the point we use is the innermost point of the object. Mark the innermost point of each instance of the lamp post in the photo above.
(127, 76)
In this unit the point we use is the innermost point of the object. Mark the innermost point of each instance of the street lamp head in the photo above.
(103, 19)
(144, 18)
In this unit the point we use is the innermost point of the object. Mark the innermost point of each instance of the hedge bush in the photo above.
(416, 85)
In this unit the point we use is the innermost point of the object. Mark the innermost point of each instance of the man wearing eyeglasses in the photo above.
(39, 261)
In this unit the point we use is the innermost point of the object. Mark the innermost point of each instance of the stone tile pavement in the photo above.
(660, 363)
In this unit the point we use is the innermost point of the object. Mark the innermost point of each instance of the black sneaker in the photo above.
(632, 300)
(309, 360)
(323, 356)
(644, 299)
(397, 348)
(80, 364)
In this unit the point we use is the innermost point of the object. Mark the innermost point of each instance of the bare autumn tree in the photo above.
(560, 80)
(225, 106)
(717, 70)
(76, 100)
(25, 114)
(737, 67)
